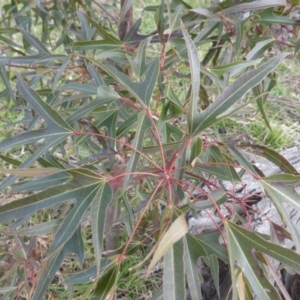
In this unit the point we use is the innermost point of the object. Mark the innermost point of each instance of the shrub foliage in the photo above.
(118, 143)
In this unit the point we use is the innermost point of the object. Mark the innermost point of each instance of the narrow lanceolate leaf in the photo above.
(82, 183)
(192, 251)
(104, 96)
(32, 172)
(41, 229)
(42, 183)
(87, 275)
(214, 268)
(195, 81)
(57, 129)
(243, 246)
(282, 195)
(143, 124)
(282, 178)
(6, 81)
(73, 219)
(176, 231)
(47, 273)
(52, 141)
(138, 64)
(60, 72)
(33, 41)
(260, 48)
(106, 285)
(108, 38)
(51, 116)
(273, 156)
(254, 5)
(211, 245)
(75, 244)
(175, 19)
(196, 148)
(234, 93)
(141, 90)
(51, 265)
(239, 157)
(98, 217)
(174, 280)
(233, 67)
(270, 16)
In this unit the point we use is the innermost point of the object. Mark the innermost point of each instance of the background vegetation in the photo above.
(119, 120)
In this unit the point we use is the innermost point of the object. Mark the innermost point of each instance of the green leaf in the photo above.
(282, 195)
(214, 268)
(206, 13)
(88, 32)
(175, 19)
(82, 183)
(217, 164)
(41, 229)
(51, 116)
(6, 81)
(11, 161)
(273, 157)
(33, 41)
(260, 104)
(196, 148)
(60, 72)
(42, 183)
(253, 5)
(104, 96)
(239, 157)
(108, 38)
(297, 46)
(269, 16)
(138, 64)
(96, 76)
(81, 277)
(83, 88)
(57, 129)
(106, 284)
(98, 217)
(239, 29)
(75, 244)
(234, 93)
(143, 124)
(73, 219)
(233, 67)
(193, 114)
(47, 272)
(242, 248)
(87, 275)
(282, 178)
(192, 251)
(94, 45)
(51, 265)
(141, 90)
(211, 245)
(260, 48)
(32, 172)
(174, 280)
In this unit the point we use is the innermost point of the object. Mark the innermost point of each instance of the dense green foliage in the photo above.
(117, 143)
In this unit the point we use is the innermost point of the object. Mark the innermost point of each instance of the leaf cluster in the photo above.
(119, 147)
